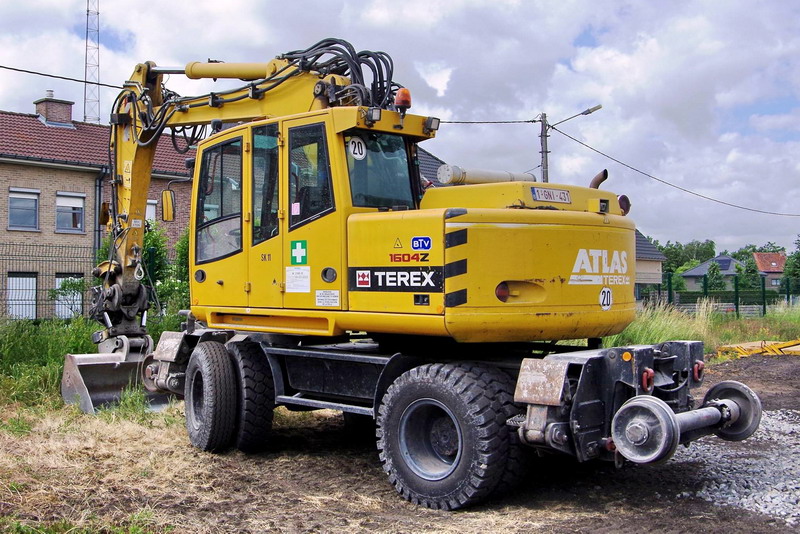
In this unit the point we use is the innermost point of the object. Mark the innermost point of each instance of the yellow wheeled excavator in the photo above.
(324, 276)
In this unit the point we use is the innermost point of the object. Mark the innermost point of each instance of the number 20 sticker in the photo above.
(357, 148)
(606, 298)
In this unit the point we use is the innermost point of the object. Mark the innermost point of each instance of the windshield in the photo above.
(379, 170)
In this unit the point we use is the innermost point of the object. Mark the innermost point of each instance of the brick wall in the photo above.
(183, 193)
(48, 181)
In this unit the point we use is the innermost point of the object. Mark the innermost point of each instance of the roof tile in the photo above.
(26, 137)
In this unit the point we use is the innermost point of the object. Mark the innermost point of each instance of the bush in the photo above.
(173, 290)
(155, 254)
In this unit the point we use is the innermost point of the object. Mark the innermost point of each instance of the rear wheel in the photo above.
(502, 386)
(440, 437)
(256, 397)
(210, 395)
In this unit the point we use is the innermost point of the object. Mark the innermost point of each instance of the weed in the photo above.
(18, 425)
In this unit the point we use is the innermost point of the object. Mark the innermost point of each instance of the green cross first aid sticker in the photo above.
(299, 252)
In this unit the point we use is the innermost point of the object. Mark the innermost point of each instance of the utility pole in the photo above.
(543, 137)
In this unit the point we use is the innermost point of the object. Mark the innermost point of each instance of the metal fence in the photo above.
(735, 299)
(41, 281)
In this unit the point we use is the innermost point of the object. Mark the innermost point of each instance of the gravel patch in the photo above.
(761, 474)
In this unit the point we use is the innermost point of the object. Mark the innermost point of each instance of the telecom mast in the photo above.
(91, 97)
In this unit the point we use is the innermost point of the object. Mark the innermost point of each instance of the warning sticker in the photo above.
(298, 279)
(327, 297)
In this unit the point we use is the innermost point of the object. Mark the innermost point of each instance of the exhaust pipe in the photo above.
(646, 430)
(599, 178)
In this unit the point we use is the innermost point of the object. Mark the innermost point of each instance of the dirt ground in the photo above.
(317, 477)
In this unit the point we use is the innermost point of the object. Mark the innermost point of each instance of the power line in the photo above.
(59, 77)
(673, 185)
(529, 121)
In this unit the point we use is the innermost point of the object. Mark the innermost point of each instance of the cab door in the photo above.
(313, 246)
(265, 232)
(219, 263)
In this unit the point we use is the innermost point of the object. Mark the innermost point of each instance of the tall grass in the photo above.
(32, 355)
(662, 322)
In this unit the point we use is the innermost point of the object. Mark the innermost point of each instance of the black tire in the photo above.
(256, 397)
(441, 437)
(502, 386)
(210, 396)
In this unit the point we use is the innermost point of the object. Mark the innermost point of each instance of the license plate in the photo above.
(551, 195)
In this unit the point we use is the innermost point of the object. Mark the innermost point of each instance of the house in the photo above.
(649, 261)
(53, 178)
(770, 265)
(428, 166)
(727, 266)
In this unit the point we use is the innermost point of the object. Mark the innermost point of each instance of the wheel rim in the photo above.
(197, 398)
(430, 439)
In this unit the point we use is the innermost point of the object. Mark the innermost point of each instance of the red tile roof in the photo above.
(770, 262)
(24, 136)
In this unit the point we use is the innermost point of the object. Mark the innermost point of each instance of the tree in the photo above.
(749, 277)
(791, 272)
(747, 251)
(716, 282)
(678, 281)
(679, 254)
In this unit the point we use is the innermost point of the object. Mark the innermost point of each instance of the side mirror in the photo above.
(167, 205)
(104, 216)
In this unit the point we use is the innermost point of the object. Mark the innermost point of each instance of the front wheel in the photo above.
(210, 397)
(440, 437)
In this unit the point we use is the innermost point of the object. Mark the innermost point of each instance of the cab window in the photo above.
(310, 192)
(378, 165)
(219, 202)
(265, 183)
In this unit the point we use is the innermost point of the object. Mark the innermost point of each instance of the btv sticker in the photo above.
(421, 243)
(299, 252)
(397, 279)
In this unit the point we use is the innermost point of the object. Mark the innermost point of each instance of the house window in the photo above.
(69, 295)
(776, 281)
(69, 212)
(150, 211)
(23, 209)
(21, 295)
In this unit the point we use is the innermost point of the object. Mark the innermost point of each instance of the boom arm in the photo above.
(329, 73)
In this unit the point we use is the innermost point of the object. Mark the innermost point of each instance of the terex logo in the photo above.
(599, 266)
(427, 279)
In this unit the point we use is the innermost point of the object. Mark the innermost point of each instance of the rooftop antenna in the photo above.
(91, 75)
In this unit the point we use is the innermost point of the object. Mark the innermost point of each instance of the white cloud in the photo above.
(435, 74)
(703, 94)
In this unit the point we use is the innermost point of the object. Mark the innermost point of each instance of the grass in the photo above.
(32, 352)
(142, 522)
(658, 323)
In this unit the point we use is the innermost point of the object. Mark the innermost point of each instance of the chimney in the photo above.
(51, 109)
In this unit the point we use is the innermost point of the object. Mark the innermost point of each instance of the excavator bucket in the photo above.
(96, 380)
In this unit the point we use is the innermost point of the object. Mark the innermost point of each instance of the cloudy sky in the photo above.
(702, 94)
